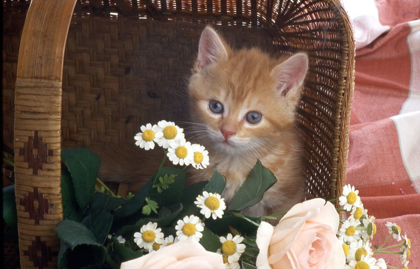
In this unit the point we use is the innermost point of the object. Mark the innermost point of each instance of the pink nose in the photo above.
(227, 133)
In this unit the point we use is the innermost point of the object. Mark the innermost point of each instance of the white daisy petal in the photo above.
(188, 227)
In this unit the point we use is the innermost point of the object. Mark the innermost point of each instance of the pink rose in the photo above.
(304, 238)
(181, 255)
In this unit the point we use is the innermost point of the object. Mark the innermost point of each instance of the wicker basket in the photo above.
(125, 64)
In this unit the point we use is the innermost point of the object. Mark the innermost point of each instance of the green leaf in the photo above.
(105, 202)
(217, 183)
(83, 249)
(174, 193)
(246, 265)
(135, 204)
(125, 253)
(99, 222)
(210, 241)
(83, 166)
(192, 191)
(71, 209)
(259, 180)
(9, 207)
(62, 255)
(147, 210)
(152, 204)
(221, 226)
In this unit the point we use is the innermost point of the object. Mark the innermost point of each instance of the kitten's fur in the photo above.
(243, 81)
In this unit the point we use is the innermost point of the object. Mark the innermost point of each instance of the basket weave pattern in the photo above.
(125, 64)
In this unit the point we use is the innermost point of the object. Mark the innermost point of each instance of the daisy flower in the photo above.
(370, 228)
(189, 227)
(358, 212)
(350, 198)
(121, 239)
(148, 235)
(348, 231)
(169, 133)
(169, 240)
(211, 204)
(346, 249)
(405, 255)
(147, 138)
(381, 264)
(394, 229)
(407, 242)
(359, 249)
(366, 262)
(180, 152)
(201, 157)
(232, 247)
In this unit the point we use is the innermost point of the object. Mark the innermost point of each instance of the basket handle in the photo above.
(37, 143)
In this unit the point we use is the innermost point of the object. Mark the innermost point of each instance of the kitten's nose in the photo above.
(227, 133)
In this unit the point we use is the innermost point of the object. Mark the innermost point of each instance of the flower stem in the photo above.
(386, 239)
(393, 267)
(245, 218)
(160, 166)
(106, 187)
(393, 246)
(388, 252)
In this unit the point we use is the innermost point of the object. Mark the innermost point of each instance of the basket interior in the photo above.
(127, 64)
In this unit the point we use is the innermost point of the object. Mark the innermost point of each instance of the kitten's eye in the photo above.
(253, 117)
(216, 107)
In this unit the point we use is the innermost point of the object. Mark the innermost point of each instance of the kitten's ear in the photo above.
(290, 74)
(211, 48)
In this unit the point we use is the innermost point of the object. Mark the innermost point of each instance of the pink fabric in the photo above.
(384, 154)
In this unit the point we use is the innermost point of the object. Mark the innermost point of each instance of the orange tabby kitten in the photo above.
(243, 108)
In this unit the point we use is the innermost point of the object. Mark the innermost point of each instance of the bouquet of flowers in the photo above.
(170, 225)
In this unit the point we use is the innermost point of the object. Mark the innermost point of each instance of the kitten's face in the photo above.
(236, 100)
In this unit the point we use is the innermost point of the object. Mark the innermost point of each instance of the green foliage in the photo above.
(151, 206)
(259, 180)
(89, 216)
(164, 182)
(217, 183)
(10, 213)
(83, 166)
(9, 206)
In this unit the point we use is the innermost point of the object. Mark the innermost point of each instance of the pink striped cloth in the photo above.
(384, 155)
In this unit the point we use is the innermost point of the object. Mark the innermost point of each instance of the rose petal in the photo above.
(338, 259)
(175, 255)
(264, 233)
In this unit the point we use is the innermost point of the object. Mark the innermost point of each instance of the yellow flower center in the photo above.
(351, 198)
(408, 243)
(170, 243)
(408, 253)
(212, 203)
(358, 213)
(346, 249)
(148, 135)
(371, 229)
(362, 265)
(156, 246)
(350, 231)
(229, 247)
(148, 236)
(359, 253)
(189, 229)
(225, 259)
(170, 132)
(198, 157)
(181, 152)
(396, 229)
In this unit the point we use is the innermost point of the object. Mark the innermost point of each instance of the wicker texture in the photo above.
(126, 63)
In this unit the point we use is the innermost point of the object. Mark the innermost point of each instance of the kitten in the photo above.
(243, 107)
